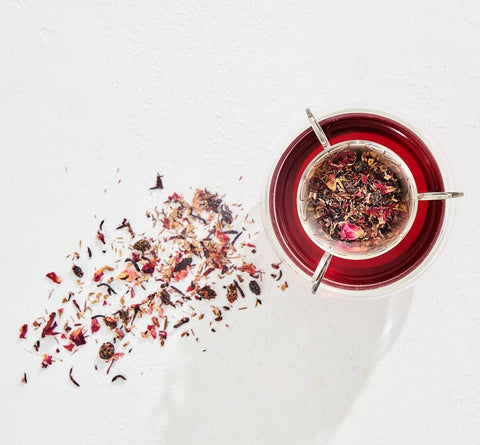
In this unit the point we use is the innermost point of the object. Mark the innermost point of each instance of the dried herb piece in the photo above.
(254, 287)
(110, 289)
(232, 293)
(24, 378)
(72, 379)
(159, 183)
(181, 322)
(77, 270)
(206, 292)
(107, 350)
(119, 376)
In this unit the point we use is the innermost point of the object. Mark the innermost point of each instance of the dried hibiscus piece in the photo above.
(47, 360)
(159, 183)
(95, 325)
(101, 236)
(23, 331)
(107, 350)
(54, 277)
(77, 337)
(50, 326)
(97, 276)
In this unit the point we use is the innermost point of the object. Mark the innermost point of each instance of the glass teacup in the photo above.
(357, 200)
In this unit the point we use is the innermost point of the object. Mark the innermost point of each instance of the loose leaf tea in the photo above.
(187, 259)
(355, 195)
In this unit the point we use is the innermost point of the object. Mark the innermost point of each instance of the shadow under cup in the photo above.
(296, 246)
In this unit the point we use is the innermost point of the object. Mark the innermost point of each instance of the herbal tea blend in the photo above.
(197, 251)
(355, 195)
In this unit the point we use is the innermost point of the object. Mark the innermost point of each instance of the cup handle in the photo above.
(320, 271)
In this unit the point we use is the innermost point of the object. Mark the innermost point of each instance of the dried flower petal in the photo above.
(47, 360)
(23, 331)
(94, 326)
(77, 337)
(350, 231)
(54, 277)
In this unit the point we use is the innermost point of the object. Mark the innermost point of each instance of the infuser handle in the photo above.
(320, 271)
(436, 196)
(318, 130)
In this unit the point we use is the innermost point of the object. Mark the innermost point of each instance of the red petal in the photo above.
(47, 360)
(69, 346)
(54, 277)
(95, 326)
(97, 276)
(350, 232)
(222, 237)
(23, 331)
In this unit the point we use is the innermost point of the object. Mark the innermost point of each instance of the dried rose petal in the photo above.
(23, 331)
(350, 231)
(77, 337)
(70, 346)
(54, 277)
(95, 325)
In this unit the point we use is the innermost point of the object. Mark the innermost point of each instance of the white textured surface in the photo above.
(199, 90)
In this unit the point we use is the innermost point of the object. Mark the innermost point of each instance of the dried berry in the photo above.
(77, 271)
(106, 351)
(143, 245)
(254, 287)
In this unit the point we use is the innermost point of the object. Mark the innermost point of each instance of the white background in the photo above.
(205, 92)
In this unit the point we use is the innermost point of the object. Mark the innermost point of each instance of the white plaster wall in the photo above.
(198, 90)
